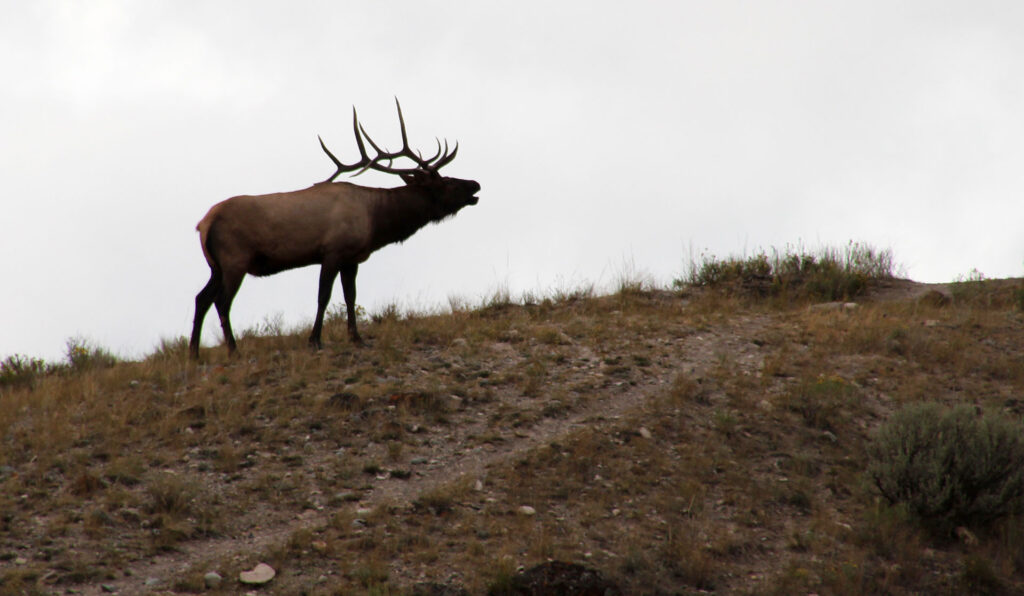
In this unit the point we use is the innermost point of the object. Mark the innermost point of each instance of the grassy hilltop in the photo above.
(746, 431)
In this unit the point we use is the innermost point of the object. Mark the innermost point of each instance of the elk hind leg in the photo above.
(229, 287)
(204, 299)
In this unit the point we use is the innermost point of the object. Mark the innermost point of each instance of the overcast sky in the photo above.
(606, 136)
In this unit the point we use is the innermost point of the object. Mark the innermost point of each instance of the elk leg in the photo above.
(348, 287)
(204, 299)
(327, 274)
(223, 299)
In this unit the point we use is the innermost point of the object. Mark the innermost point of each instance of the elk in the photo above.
(337, 225)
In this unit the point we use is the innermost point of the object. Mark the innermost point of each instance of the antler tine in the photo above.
(401, 124)
(364, 159)
(436, 155)
(446, 158)
(380, 152)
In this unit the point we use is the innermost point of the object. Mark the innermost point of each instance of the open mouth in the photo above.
(473, 200)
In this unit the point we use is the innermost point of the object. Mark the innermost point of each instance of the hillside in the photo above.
(676, 442)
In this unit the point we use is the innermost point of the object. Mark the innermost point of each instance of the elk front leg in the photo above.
(348, 286)
(328, 271)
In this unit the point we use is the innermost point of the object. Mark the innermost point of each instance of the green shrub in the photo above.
(84, 356)
(20, 371)
(950, 467)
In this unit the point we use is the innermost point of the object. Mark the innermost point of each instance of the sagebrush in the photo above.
(950, 467)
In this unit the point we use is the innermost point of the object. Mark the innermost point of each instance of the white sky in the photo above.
(604, 134)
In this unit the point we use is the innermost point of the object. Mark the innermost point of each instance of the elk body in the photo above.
(337, 225)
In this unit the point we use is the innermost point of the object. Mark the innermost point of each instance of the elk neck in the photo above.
(399, 212)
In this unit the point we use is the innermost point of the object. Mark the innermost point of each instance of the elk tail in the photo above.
(205, 228)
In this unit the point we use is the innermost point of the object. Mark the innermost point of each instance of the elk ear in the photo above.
(417, 177)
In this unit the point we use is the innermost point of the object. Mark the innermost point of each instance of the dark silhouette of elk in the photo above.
(337, 225)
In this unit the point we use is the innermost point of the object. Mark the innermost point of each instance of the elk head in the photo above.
(451, 194)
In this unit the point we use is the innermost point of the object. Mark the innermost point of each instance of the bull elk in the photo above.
(337, 225)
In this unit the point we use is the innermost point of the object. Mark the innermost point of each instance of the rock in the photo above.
(108, 588)
(319, 546)
(152, 581)
(212, 579)
(935, 299)
(258, 575)
(526, 510)
(645, 433)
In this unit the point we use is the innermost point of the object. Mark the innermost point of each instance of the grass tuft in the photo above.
(828, 275)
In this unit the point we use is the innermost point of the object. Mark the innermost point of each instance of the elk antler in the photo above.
(432, 165)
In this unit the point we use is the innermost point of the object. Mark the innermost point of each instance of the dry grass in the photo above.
(676, 441)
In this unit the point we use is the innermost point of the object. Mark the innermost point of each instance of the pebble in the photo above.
(645, 433)
(526, 510)
(258, 575)
(212, 579)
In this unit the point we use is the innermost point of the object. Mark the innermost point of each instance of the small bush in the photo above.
(822, 402)
(20, 371)
(949, 467)
(84, 356)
